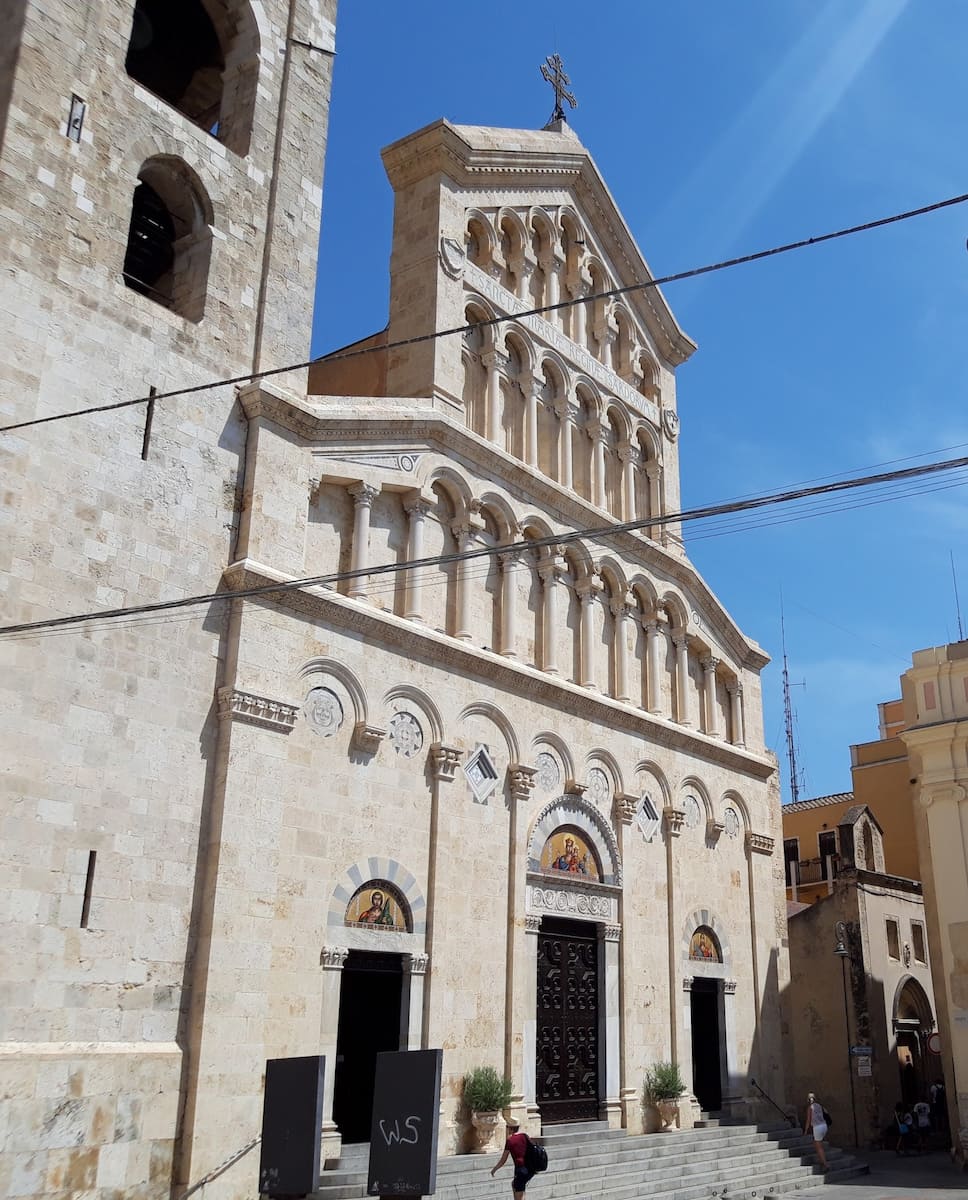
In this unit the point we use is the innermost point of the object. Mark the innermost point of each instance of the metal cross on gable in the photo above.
(553, 70)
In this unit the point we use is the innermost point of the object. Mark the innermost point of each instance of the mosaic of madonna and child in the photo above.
(566, 850)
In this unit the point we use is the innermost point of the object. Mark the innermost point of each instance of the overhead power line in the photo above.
(557, 539)
(341, 356)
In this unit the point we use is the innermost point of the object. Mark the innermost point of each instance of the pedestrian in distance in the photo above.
(922, 1123)
(903, 1124)
(516, 1148)
(816, 1120)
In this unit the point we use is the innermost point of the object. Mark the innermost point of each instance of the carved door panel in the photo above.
(567, 1042)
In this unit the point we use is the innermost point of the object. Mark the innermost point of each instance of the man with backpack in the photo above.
(528, 1158)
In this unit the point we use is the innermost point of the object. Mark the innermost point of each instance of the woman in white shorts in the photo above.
(814, 1120)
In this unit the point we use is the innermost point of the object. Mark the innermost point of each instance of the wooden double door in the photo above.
(569, 988)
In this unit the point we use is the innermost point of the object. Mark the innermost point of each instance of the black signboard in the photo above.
(292, 1126)
(403, 1134)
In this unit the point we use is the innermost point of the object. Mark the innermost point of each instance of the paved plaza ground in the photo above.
(930, 1176)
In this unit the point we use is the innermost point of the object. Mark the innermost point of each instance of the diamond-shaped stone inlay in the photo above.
(481, 774)
(647, 818)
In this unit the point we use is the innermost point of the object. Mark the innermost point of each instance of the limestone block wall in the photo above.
(112, 728)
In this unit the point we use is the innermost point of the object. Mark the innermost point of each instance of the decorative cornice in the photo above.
(522, 781)
(445, 760)
(256, 710)
(387, 629)
(675, 818)
(426, 428)
(624, 806)
(760, 843)
(368, 737)
(332, 958)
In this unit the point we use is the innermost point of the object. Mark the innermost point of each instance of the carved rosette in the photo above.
(406, 734)
(598, 787)
(759, 843)
(332, 958)
(549, 774)
(256, 710)
(445, 760)
(675, 819)
(692, 812)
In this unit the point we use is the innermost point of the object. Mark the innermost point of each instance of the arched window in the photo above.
(475, 374)
(169, 238)
(204, 68)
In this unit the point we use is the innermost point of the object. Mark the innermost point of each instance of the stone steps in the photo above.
(740, 1162)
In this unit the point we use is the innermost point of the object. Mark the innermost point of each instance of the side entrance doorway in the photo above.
(568, 1077)
(369, 1021)
(707, 1043)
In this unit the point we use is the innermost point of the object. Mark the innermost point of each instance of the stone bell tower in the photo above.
(160, 178)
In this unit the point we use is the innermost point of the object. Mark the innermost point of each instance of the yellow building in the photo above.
(880, 775)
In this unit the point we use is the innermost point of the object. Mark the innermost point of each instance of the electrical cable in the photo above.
(341, 356)
(555, 539)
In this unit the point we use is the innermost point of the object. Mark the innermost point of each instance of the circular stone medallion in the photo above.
(690, 806)
(405, 734)
(598, 788)
(549, 776)
(731, 822)
(323, 711)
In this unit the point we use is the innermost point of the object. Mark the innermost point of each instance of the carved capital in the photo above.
(734, 687)
(496, 360)
(611, 933)
(363, 493)
(417, 504)
(416, 964)
(532, 924)
(759, 843)
(628, 453)
(522, 780)
(367, 737)
(675, 818)
(444, 761)
(623, 807)
(331, 958)
(652, 469)
(551, 570)
(256, 710)
(714, 829)
(729, 986)
(709, 664)
(687, 983)
(574, 788)
(567, 410)
(589, 588)
(619, 608)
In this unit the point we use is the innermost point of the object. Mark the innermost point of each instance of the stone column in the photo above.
(620, 616)
(709, 666)
(416, 508)
(629, 456)
(529, 1065)
(443, 763)
(737, 732)
(551, 265)
(496, 364)
(579, 291)
(607, 339)
(683, 715)
(654, 475)
(524, 269)
(509, 632)
(465, 533)
(331, 960)
(588, 590)
(412, 1001)
(653, 638)
(363, 496)
(596, 431)
(732, 1085)
(611, 1016)
(550, 572)
(531, 393)
(520, 1006)
(566, 414)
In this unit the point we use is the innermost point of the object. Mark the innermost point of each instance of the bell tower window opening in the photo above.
(169, 238)
(204, 68)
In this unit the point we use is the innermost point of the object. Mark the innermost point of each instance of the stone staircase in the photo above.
(738, 1162)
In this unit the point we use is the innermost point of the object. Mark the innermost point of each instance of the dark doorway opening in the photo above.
(706, 1044)
(569, 984)
(370, 995)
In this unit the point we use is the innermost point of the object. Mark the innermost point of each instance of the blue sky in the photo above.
(722, 129)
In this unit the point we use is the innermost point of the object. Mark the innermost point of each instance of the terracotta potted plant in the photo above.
(663, 1088)
(486, 1093)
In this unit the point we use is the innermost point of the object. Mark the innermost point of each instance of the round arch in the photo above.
(337, 670)
(560, 747)
(585, 817)
(483, 708)
(414, 695)
(377, 868)
(698, 918)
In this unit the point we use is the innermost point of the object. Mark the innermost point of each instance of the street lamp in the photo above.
(844, 954)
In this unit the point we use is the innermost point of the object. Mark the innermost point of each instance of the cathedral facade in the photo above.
(468, 755)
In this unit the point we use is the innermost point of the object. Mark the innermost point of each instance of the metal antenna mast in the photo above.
(788, 716)
(954, 580)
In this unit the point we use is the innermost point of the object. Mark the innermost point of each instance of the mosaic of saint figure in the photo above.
(375, 906)
(704, 945)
